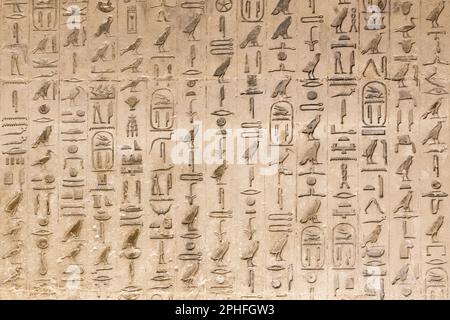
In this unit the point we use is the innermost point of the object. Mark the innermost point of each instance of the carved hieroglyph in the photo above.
(190, 149)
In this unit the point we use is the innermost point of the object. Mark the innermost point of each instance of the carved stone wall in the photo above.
(217, 149)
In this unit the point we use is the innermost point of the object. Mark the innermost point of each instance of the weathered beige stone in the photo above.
(267, 149)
